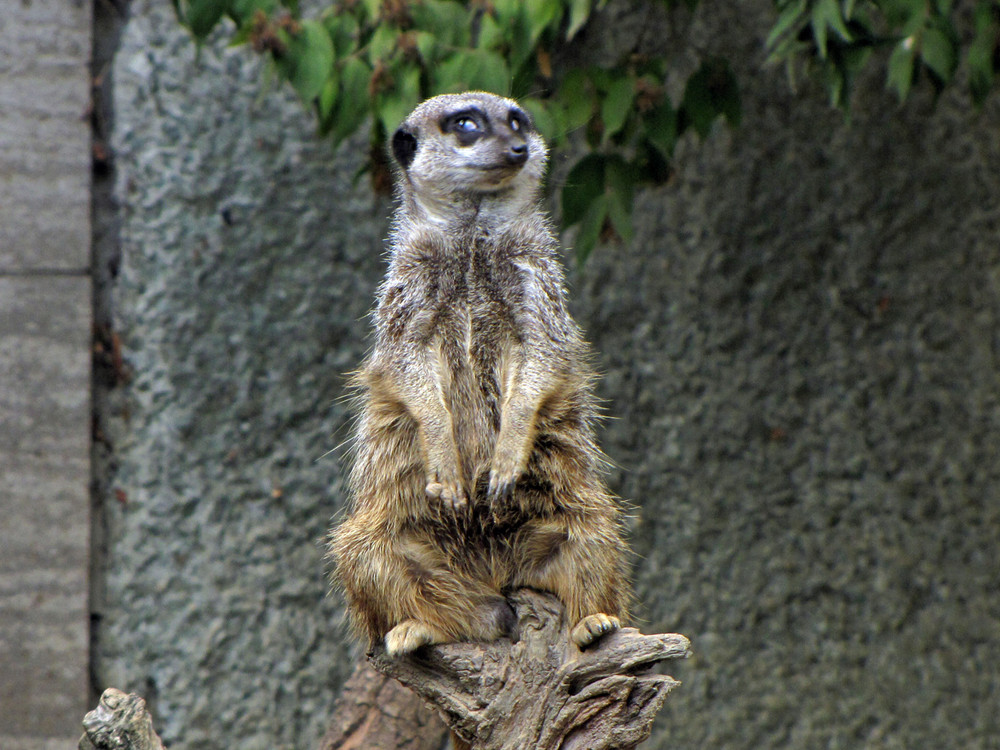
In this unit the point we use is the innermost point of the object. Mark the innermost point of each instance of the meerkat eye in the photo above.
(462, 124)
(518, 121)
(467, 126)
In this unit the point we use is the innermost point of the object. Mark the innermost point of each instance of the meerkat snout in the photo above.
(517, 154)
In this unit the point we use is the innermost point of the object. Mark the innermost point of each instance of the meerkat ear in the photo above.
(404, 146)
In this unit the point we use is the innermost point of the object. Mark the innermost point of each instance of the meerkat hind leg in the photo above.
(593, 627)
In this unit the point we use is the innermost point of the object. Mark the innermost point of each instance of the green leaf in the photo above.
(448, 21)
(580, 99)
(507, 10)
(902, 13)
(472, 70)
(491, 35)
(512, 17)
(396, 103)
(621, 179)
(826, 14)
(788, 18)
(243, 10)
(835, 19)
(545, 117)
(584, 183)
(579, 12)
(326, 102)
(353, 104)
(938, 51)
(901, 68)
(819, 29)
(383, 42)
(426, 45)
(661, 128)
(309, 58)
(540, 14)
(982, 51)
(710, 92)
(200, 16)
(590, 228)
(617, 105)
(343, 31)
(371, 8)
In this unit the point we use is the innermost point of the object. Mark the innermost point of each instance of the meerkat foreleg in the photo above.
(525, 390)
(422, 384)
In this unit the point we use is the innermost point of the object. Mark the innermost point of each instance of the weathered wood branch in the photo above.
(540, 691)
(120, 722)
(537, 692)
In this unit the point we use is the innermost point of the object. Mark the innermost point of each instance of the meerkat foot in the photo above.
(410, 635)
(593, 627)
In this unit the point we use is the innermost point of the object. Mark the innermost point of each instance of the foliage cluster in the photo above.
(379, 58)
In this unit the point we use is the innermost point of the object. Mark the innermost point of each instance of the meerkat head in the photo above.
(457, 147)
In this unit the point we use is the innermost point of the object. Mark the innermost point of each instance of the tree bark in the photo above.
(375, 711)
(540, 691)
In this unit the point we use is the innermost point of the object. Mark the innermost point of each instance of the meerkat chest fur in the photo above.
(469, 305)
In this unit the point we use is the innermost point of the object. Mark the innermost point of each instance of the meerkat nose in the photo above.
(517, 153)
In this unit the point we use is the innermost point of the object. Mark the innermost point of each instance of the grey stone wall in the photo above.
(800, 354)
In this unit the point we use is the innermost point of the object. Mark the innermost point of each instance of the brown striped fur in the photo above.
(475, 468)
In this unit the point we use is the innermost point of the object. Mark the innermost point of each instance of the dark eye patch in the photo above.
(468, 125)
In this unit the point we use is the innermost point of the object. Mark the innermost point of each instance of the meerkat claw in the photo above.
(500, 491)
(593, 627)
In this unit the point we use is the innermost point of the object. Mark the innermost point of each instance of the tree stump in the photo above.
(540, 691)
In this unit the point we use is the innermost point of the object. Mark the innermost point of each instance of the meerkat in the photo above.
(476, 469)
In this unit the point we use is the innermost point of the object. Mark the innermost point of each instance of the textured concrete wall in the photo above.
(800, 353)
(247, 265)
(45, 319)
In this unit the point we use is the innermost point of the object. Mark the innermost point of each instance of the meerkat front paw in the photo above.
(593, 627)
(410, 635)
(446, 489)
(501, 488)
